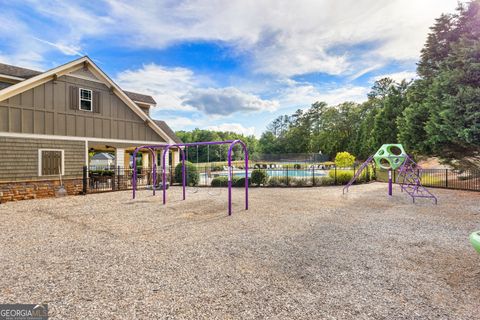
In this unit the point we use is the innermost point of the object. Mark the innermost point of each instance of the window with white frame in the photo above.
(86, 100)
(51, 162)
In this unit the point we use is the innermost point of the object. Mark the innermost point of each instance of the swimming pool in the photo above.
(277, 173)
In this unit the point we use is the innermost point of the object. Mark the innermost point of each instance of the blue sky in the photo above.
(226, 65)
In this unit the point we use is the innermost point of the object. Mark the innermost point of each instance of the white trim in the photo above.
(86, 154)
(70, 138)
(40, 162)
(80, 99)
(145, 103)
(6, 76)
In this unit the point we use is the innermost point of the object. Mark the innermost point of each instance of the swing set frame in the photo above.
(181, 147)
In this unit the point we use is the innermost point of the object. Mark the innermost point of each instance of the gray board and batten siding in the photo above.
(52, 109)
(19, 158)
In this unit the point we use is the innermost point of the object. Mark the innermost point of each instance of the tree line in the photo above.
(436, 114)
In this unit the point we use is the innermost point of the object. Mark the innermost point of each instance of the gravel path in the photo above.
(297, 253)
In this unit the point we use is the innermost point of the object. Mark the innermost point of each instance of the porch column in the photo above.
(175, 157)
(127, 160)
(120, 158)
(145, 160)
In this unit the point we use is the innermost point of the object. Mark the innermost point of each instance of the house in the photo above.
(102, 160)
(50, 122)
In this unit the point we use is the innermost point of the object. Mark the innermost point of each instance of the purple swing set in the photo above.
(166, 149)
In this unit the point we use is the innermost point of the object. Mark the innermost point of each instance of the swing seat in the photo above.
(158, 187)
(475, 240)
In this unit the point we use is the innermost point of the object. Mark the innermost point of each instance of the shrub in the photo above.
(299, 182)
(325, 181)
(259, 177)
(343, 176)
(240, 182)
(192, 177)
(277, 181)
(344, 159)
(221, 181)
(297, 166)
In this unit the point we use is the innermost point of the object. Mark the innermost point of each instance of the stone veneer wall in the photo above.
(14, 191)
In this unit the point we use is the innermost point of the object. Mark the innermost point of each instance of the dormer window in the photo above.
(85, 99)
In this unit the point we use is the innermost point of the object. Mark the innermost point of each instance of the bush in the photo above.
(259, 177)
(297, 166)
(344, 159)
(277, 181)
(299, 182)
(222, 181)
(343, 176)
(325, 181)
(240, 182)
(192, 177)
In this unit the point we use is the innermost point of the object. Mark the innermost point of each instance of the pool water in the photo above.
(303, 173)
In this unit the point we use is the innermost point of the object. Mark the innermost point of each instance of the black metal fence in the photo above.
(98, 179)
(275, 175)
(441, 178)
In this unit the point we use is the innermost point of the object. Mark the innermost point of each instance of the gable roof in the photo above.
(103, 156)
(168, 130)
(40, 78)
(23, 73)
(139, 97)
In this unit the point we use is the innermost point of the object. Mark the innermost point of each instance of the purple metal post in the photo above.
(152, 149)
(232, 143)
(164, 169)
(230, 173)
(390, 187)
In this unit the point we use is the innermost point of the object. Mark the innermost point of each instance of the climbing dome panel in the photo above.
(390, 156)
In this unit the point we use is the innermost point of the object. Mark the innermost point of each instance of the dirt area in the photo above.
(298, 253)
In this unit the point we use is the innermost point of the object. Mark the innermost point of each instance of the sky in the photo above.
(226, 65)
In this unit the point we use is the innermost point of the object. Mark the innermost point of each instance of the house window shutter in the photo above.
(51, 162)
(73, 98)
(96, 101)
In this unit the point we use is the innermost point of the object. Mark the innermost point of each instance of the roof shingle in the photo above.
(163, 125)
(19, 72)
(140, 97)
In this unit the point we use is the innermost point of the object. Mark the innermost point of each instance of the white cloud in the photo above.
(67, 49)
(280, 37)
(233, 127)
(398, 76)
(299, 94)
(179, 89)
(226, 101)
(167, 85)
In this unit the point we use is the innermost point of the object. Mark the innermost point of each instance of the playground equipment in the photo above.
(391, 157)
(181, 147)
(475, 240)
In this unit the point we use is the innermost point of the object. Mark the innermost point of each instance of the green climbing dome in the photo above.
(390, 156)
(475, 240)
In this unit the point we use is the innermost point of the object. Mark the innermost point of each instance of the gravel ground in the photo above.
(306, 253)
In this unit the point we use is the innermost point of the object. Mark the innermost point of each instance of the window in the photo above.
(85, 99)
(50, 162)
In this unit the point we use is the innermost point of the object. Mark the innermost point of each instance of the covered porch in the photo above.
(118, 174)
